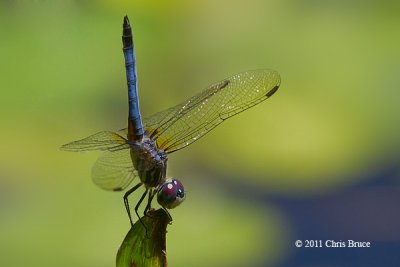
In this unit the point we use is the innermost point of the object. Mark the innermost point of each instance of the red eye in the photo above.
(171, 194)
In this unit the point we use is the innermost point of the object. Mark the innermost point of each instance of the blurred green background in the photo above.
(333, 122)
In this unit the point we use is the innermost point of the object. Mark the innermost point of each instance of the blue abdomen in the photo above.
(135, 126)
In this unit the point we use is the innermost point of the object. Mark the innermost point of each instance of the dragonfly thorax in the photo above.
(150, 162)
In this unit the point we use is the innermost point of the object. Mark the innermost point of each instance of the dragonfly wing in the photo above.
(179, 126)
(105, 140)
(150, 124)
(114, 170)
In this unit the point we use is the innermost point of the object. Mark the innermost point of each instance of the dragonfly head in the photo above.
(171, 194)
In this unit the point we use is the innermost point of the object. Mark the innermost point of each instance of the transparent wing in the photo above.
(114, 170)
(179, 126)
(99, 141)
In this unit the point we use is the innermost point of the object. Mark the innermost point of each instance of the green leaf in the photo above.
(141, 249)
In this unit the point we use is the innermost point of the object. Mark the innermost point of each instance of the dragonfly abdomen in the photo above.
(135, 126)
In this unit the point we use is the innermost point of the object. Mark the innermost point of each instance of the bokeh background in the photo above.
(319, 160)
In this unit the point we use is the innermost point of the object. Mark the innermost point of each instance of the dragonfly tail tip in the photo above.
(126, 20)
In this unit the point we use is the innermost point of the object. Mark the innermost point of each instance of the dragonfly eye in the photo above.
(171, 194)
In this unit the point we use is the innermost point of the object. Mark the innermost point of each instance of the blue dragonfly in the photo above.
(141, 150)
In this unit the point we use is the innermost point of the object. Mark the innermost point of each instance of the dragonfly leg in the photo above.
(169, 215)
(137, 207)
(152, 193)
(126, 202)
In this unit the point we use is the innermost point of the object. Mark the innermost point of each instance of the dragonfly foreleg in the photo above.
(169, 215)
(126, 202)
(152, 193)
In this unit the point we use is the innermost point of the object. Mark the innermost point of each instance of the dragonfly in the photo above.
(141, 150)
